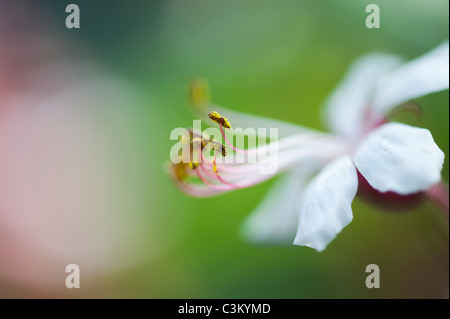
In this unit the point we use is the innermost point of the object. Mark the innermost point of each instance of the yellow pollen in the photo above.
(179, 170)
(193, 165)
(198, 93)
(199, 141)
(216, 117)
(218, 147)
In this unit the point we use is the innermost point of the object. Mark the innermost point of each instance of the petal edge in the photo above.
(399, 158)
(326, 207)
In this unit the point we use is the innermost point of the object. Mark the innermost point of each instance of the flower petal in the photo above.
(426, 74)
(274, 220)
(325, 208)
(399, 158)
(346, 106)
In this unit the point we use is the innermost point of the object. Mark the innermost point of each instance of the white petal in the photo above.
(274, 220)
(326, 205)
(424, 75)
(346, 106)
(399, 158)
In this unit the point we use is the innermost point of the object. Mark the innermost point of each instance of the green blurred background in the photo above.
(274, 58)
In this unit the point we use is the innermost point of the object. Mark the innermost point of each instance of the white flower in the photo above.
(314, 198)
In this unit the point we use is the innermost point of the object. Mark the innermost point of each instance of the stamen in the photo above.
(231, 145)
(224, 123)
(218, 147)
(193, 165)
(216, 117)
(179, 170)
(206, 171)
(199, 141)
(206, 182)
(198, 93)
(218, 175)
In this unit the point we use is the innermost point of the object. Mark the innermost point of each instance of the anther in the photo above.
(216, 117)
(218, 147)
(193, 165)
(199, 141)
(198, 93)
(179, 170)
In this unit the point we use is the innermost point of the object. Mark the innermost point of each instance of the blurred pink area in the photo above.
(60, 188)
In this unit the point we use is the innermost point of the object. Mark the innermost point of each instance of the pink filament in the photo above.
(226, 169)
(230, 144)
(218, 187)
